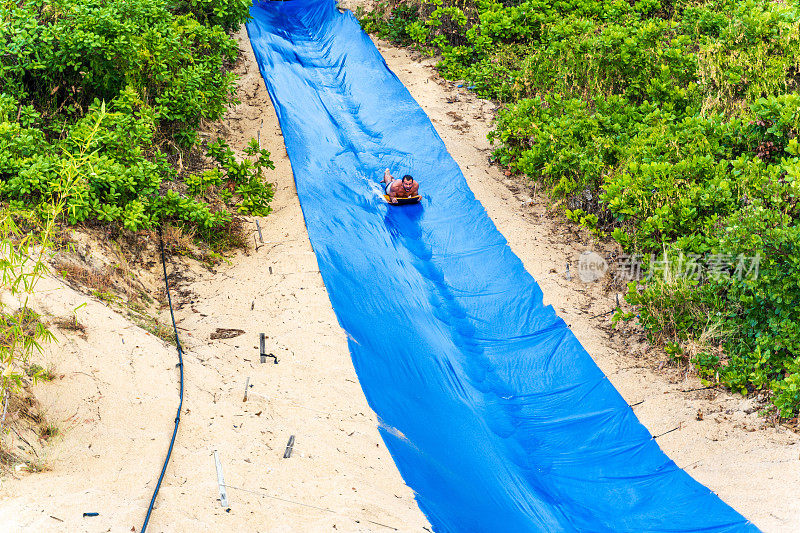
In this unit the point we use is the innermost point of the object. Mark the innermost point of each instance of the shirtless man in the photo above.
(405, 188)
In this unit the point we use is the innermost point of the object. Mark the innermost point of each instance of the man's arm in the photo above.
(393, 189)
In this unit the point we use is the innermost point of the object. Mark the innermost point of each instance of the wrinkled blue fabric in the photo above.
(494, 413)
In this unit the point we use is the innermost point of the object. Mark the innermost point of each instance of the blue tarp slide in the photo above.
(494, 413)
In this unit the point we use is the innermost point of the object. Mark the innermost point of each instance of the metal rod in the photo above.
(262, 348)
(289, 447)
(223, 495)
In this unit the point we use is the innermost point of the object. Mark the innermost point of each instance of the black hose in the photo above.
(180, 403)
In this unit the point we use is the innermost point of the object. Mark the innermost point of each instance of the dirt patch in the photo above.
(226, 333)
(70, 323)
(29, 430)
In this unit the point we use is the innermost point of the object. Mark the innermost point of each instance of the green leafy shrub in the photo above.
(228, 14)
(387, 23)
(246, 177)
(116, 91)
(756, 54)
(787, 391)
(63, 55)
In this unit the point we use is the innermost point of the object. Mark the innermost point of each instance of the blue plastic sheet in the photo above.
(492, 410)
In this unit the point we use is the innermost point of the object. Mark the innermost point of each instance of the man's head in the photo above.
(408, 181)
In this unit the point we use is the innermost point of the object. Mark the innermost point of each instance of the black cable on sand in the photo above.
(180, 403)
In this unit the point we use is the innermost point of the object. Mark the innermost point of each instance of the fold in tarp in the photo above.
(494, 413)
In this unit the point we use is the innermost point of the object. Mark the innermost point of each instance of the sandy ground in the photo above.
(117, 399)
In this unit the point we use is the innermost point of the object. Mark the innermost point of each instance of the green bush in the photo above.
(388, 23)
(62, 55)
(756, 54)
(118, 90)
(228, 14)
